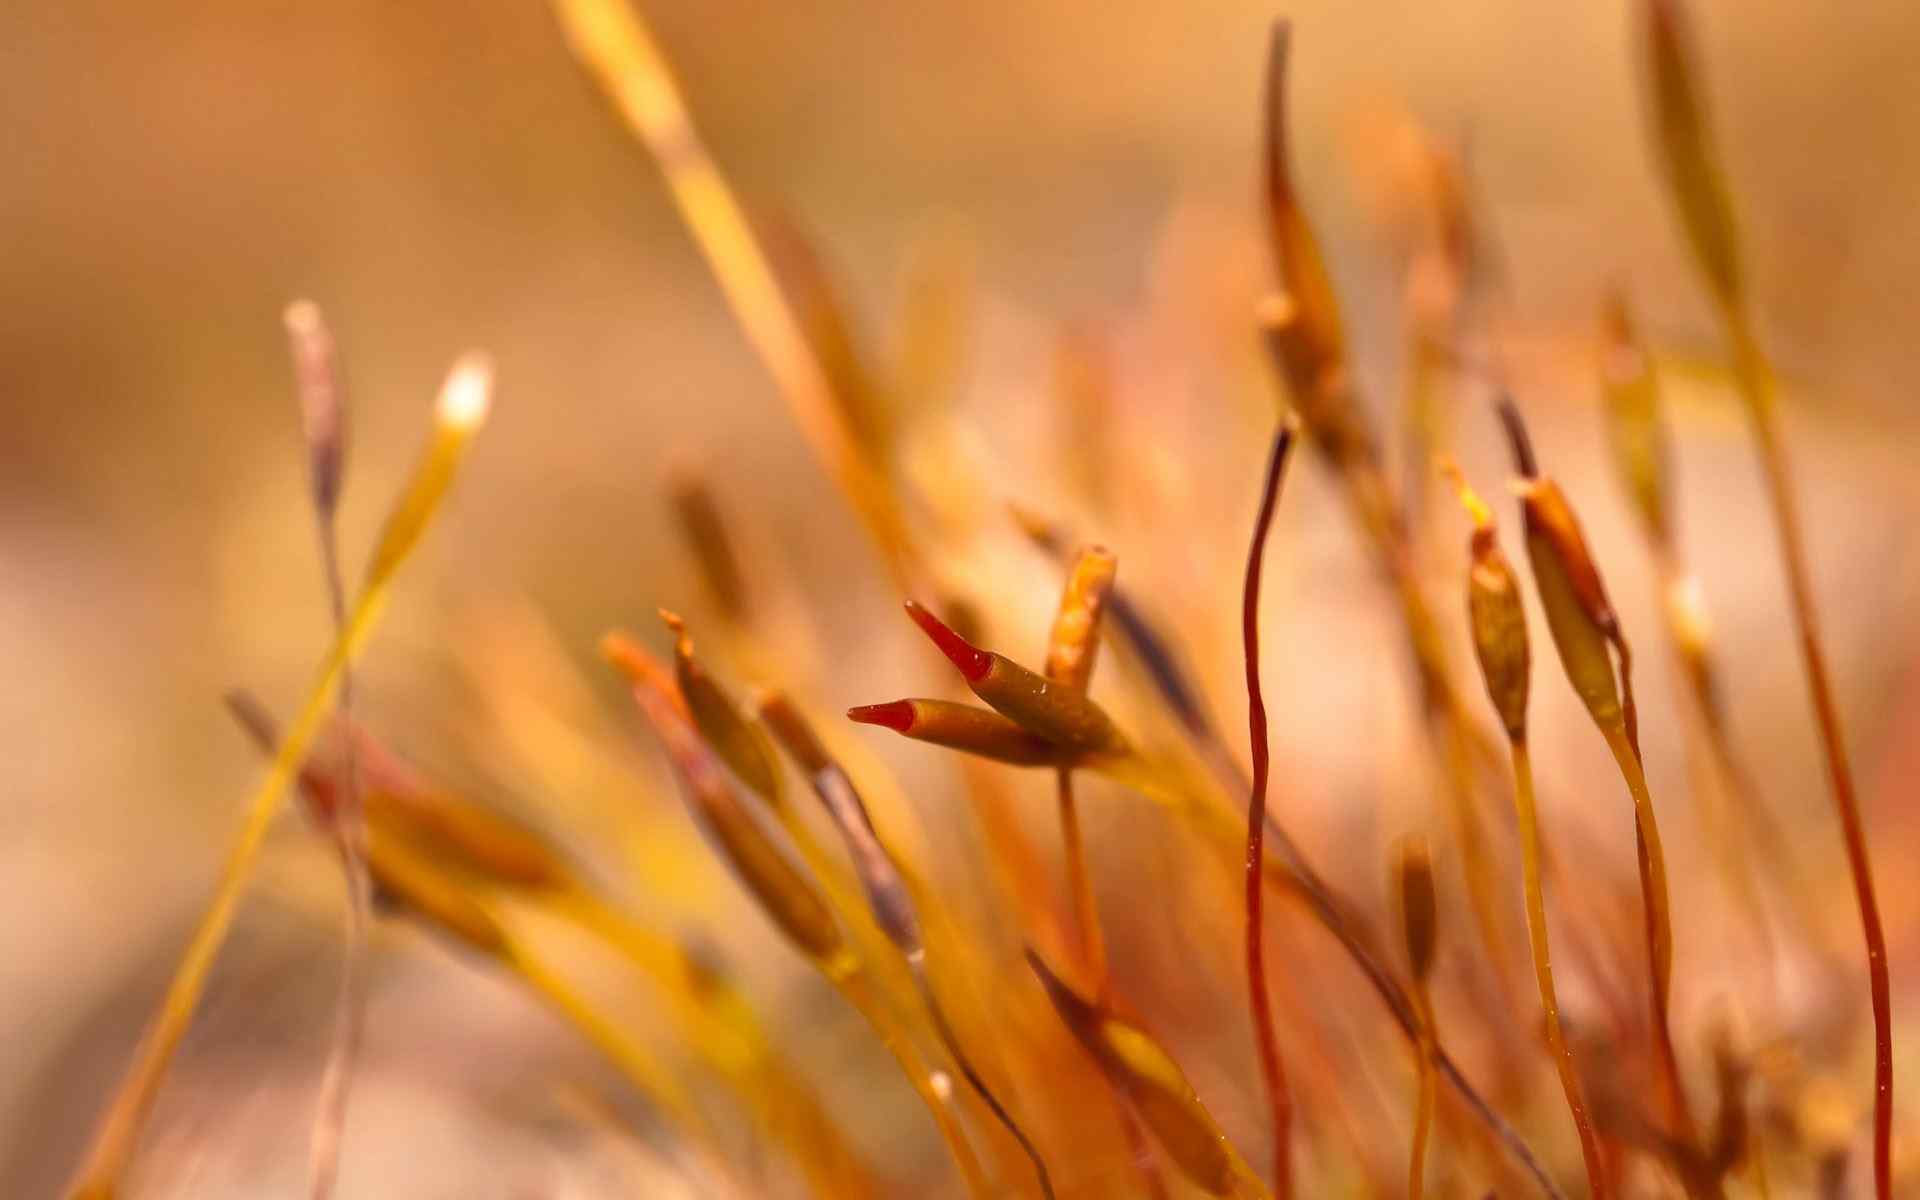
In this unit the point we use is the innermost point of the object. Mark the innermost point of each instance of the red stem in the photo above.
(1271, 1067)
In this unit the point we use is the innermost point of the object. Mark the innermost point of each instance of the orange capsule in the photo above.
(1579, 615)
(1074, 643)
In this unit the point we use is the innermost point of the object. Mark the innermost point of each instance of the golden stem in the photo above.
(1529, 819)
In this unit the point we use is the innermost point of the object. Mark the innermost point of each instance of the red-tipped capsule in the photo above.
(966, 728)
(1053, 712)
(973, 662)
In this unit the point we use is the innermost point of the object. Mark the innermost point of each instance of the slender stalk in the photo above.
(1657, 909)
(1086, 911)
(1698, 185)
(629, 1054)
(462, 409)
(858, 988)
(324, 424)
(1423, 1108)
(1529, 817)
(1756, 378)
(1272, 1070)
(1154, 653)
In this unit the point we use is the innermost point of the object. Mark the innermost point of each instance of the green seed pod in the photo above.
(1579, 615)
(1152, 1080)
(1635, 431)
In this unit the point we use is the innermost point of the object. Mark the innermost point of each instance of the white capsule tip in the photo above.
(468, 394)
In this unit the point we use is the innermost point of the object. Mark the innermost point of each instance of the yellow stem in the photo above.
(638, 1064)
(462, 409)
(1423, 1109)
(1655, 898)
(1086, 910)
(1529, 819)
(613, 41)
(857, 986)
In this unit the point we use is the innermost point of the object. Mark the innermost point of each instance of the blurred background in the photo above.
(442, 176)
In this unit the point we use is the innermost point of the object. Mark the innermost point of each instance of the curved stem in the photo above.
(1756, 381)
(1529, 818)
(1271, 1067)
(859, 990)
(1655, 900)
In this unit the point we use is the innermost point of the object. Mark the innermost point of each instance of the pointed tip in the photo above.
(973, 662)
(896, 715)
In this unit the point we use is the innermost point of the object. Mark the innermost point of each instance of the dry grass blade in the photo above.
(611, 40)
(461, 410)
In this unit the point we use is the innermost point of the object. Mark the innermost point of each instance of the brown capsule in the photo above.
(1152, 1080)
(704, 529)
(1635, 431)
(1579, 616)
(966, 728)
(782, 889)
(1321, 392)
(453, 832)
(409, 880)
(886, 892)
(1687, 152)
(1074, 643)
(1051, 711)
(740, 743)
(1296, 251)
(1419, 916)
